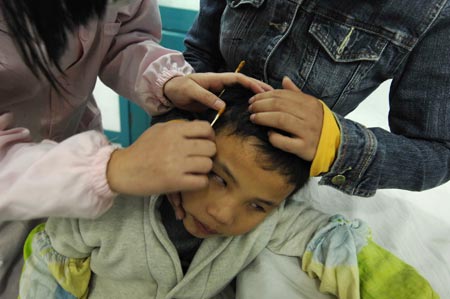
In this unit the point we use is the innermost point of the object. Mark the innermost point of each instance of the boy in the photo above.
(139, 249)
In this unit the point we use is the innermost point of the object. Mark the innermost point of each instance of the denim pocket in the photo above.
(339, 56)
(346, 43)
(237, 3)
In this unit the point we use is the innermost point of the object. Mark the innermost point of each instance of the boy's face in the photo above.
(240, 194)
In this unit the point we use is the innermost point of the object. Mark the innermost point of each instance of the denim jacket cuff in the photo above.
(356, 153)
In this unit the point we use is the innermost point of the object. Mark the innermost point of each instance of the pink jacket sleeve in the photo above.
(50, 179)
(136, 66)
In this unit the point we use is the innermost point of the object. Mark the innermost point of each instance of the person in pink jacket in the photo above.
(54, 160)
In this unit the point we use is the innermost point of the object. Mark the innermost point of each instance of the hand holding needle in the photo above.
(238, 69)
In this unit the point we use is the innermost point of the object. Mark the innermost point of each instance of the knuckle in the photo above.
(240, 76)
(279, 120)
(277, 105)
(201, 124)
(197, 144)
(278, 93)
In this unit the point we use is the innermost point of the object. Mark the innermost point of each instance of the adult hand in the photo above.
(294, 112)
(167, 157)
(196, 92)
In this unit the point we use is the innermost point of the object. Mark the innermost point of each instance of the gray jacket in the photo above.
(130, 255)
(133, 257)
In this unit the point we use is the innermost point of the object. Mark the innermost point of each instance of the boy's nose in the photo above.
(222, 213)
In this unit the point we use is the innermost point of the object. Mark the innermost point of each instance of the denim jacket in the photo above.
(340, 51)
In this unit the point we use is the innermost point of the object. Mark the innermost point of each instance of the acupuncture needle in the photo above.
(238, 69)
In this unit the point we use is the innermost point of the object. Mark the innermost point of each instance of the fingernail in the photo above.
(252, 117)
(178, 216)
(250, 108)
(251, 100)
(219, 104)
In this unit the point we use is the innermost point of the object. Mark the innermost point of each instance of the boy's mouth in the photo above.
(205, 229)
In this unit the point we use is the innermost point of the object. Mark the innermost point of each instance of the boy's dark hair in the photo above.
(236, 121)
(32, 23)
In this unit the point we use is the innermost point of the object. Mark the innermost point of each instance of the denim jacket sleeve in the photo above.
(202, 46)
(415, 155)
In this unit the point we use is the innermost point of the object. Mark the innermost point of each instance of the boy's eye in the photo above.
(213, 176)
(257, 207)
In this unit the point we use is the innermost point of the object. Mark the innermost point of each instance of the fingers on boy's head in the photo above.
(236, 121)
(236, 97)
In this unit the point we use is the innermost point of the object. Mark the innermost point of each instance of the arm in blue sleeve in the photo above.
(415, 155)
(202, 40)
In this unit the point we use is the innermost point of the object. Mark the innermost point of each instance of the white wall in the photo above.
(373, 112)
(108, 103)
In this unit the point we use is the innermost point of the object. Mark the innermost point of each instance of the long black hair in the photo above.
(40, 28)
(236, 121)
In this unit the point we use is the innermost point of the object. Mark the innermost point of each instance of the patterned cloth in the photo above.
(361, 270)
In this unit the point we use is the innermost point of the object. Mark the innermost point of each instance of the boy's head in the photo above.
(249, 179)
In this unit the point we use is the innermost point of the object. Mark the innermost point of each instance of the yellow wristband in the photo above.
(330, 138)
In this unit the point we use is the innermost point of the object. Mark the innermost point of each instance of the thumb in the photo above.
(288, 84)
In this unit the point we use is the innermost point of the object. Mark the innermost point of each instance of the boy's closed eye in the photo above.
(217, 179)
(255, 205)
